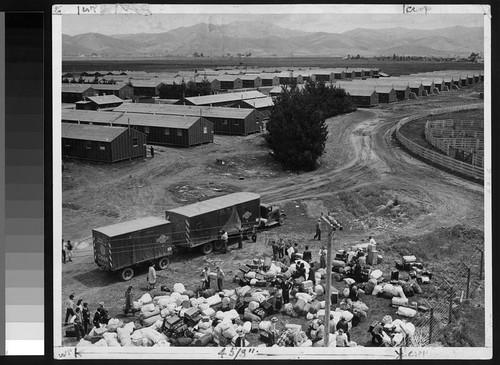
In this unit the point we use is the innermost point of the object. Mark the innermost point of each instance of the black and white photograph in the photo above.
(272, 181)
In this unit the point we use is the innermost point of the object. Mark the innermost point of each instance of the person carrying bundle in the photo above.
(151, 276)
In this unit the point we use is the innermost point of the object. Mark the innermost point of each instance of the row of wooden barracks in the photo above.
(195, 120)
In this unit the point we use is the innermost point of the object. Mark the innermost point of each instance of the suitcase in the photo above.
(245, 268)
(334, 297)
(171, 322)
(203, 340)
(244, 281)
(239, 307)
(265, 336)
(255, 327)
(394, 275)
(260, 312)
(186, 304)
(193, 321)
(261, 283)
(267, 306)
(191, 312)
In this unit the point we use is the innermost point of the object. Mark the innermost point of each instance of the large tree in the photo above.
(297, 124)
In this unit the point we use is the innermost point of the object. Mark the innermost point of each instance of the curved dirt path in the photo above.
(366, 155)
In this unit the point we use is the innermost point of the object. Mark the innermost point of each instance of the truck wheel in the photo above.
(254, 237)
(218, 245)
(207, 248)
(163, 263)
(281, 221)
(127, 273)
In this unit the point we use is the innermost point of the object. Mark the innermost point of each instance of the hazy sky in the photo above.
(324, 22)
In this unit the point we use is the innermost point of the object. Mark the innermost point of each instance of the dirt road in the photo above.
(362, 169)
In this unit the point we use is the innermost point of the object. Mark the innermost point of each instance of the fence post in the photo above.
(481, 264)
(431, 325)
(451, 305)
(468, 282)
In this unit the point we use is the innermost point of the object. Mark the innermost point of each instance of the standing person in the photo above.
(224, 237)
(274, 245)
(307, 255)
(206, 278)
(152, 150)
(372, 241)
(240, 239)
(312, 274)
(70, 308)
(318, 230)
(128, 301)
(104, 314)
(86, 317)
(63, 252)
(79, 305)
(342, 325)
(322, 257)
(97, 318)
(341, 339)
(151, 276)
(290, 251)
(78, 323)
(220, 278)
(69, 251)
(286, 286)
(281, 248)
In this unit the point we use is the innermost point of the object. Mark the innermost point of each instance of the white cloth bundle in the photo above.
(347, 315)
(306, 297)
(136, 338)
(319, 290)
(124, 335)
(253, 282)
(399, 291)
(163, 302)
(259, 297)
(376, 274)
(360, 305)
(154, 312)
(179, 288)
(247, 327)
(349, 281)
(148, 308)
(113, 324)
(250, 275)
(228, 293)
(209, 312)
(397, 339)
(264, 325)
(232, 314)
(230, 332)
(203, 306)
(307, 343)
(406, 312)
(136, 305)
(145, 299)
(111, 339)
(389, 288)
(153, 335)
(220, 315)
(214, 299)
(159, 297)
(377, 289)
(101, 343)
(146, 322)
(253, 305)
(243, 290)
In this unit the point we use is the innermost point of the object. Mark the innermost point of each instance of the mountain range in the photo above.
(267, 39)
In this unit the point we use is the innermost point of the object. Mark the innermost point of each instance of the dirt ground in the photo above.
(362, 169)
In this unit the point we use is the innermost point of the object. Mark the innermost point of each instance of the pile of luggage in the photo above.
(388, 332)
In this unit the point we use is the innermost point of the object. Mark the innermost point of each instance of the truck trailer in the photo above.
(200, 224)
(123, 246)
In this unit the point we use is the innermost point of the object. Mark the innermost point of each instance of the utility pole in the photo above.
(333, 227)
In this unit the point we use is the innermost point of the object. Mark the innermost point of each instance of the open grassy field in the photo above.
(394, 68)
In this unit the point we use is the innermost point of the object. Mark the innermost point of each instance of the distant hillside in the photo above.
(266, 39)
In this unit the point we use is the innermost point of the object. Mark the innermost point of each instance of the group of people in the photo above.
(78, 314)
(67, 251)
(206, 274)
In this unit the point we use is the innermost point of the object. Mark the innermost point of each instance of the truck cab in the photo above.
(271, 215)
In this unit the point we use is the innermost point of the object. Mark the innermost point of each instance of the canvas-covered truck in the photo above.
(200, 224)
(271, 215)
(122, 247)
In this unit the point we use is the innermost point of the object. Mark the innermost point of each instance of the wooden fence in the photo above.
(435, 157)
